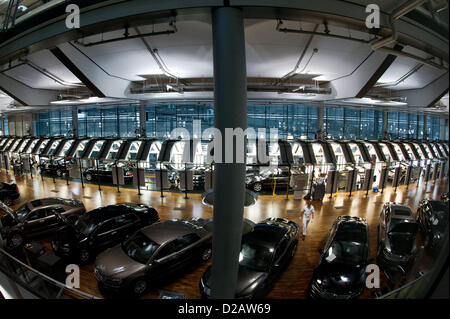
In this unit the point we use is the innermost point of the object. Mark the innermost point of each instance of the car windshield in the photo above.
(22, 212)
(255, 255)
(345, 252)
(84, 225)
(139, 247)
(399, 226)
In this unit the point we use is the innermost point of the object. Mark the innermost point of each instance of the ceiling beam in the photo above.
(428, 95)
(378, 73)
(96, 79)
(24, 94)
(360, 79)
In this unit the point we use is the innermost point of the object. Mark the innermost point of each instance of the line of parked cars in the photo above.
(341, 272)
(132, 249)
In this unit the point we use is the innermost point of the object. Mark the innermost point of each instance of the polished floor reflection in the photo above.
(294, 281)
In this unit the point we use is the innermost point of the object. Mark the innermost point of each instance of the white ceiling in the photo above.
(188, 54)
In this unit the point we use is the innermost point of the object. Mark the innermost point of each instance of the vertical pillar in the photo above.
(142, 119)
(74, 121)
(425, 127)
(2, 126)
(230, 97)
(384, 130)
(320, 131)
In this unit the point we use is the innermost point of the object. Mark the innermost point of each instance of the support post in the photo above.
(74, 121)
(185, 182)
(384, 130)
(117, 177)
(320, 130)
(98, 175)
(81, 172)
(67, 174)
(161, 180)
(142, 119)
(230, 97)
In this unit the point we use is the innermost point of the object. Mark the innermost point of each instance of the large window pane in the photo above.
(334, 122)
(352, 124)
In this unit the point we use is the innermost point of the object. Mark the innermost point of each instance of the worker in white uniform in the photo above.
(308, 217)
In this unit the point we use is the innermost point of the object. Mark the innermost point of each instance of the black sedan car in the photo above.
(105, 173)
(257, 182)
(8, 193)
(397, 232)
(101, 228)
(58, 167)
(432, 217)
(37, 217)
(265, 253)
(341, 272)
(155, 252)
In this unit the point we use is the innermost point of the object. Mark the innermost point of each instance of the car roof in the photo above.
(350, 228)
(47, 202)
(168, 230)
(107, 212)
(267, 232)
(437, 205)
(401, 212)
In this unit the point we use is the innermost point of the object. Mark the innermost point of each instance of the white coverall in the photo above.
(307, 217)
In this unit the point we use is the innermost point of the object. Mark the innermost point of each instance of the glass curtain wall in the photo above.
(54, 123)
(111, 121)
(293, 121)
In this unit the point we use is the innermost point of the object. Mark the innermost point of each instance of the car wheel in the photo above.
(59, 173)
(139, 286)
(206, 254)
(8, 201)
(88, 177)
(257, 187)
(84, 256)
(16, 240)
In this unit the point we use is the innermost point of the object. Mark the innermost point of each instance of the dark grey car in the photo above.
(151, 254)
(37, 217)
(397, 230)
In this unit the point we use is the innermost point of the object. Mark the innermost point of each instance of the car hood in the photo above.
(8, 210)
(114, 263)
(340, 279)
(401, 244)
(247, 280)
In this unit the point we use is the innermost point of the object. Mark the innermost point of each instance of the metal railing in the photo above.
(35, 282)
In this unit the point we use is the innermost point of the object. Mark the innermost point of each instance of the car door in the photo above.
(52, 221)
(427, 215)
(169, 258)
(104, 235)
(191, 249)
(280, 261)
(384, 223)
(35, 222)
(125, 225)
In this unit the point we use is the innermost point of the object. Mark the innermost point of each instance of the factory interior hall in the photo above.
(218, 150)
